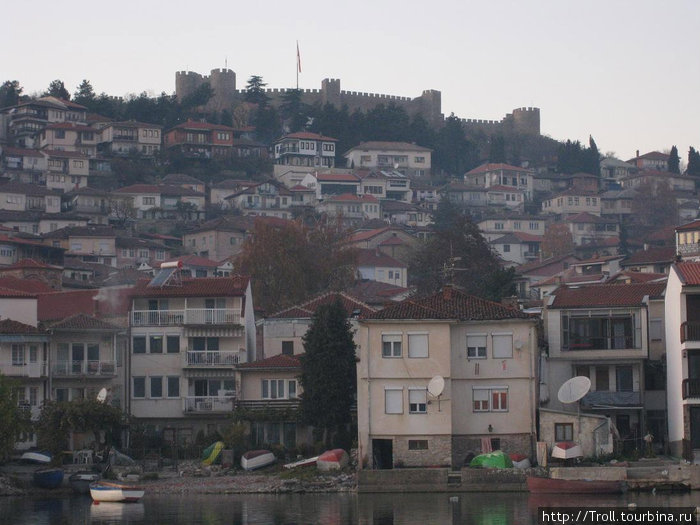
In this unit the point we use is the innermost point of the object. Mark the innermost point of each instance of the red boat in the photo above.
(573, 486)
(335, 459)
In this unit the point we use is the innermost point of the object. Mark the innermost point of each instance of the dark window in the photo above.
(602, 379)
(173, 386)
(563, 431)
(288, 347)
(173, 344)
(156, 386)
(417, 444)
(139, 345)
(156, 344)
(624, 379)
(139, 387)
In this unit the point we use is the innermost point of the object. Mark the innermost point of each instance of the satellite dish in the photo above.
(436, 386)
(574, 389)
(102, 395)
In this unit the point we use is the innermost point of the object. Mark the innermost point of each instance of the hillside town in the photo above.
(152, 290)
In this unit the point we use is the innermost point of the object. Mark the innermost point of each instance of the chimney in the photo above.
(637, 154)
(447, 292)
(511, 301)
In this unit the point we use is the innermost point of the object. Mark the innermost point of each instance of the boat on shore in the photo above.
(36, 456)
(567, 450)
(333, 460)
(254, 459)
(48, 478)
(80, 481)
(302, 463)
(538, 485)
(115, 492)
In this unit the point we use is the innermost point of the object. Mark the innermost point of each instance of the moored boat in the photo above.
(567, 450)
(36, 456)
(495, 459)
(80, 481)
(573, 486)
(254, 459)
(333, 459)
(115, 492)
(302, 462)
(212, 452)
(48, 478)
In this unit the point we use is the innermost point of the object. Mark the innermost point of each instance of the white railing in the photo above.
(83, 368)
(208, 404)
(196, 316)
(9, 368)
(214, 358)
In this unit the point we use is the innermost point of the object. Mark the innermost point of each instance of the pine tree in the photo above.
(328, 371)
(693, 162)
(57, 89)
(593, 157)
(674, 161)
(255, 91)
(84, 94)
(10, 92)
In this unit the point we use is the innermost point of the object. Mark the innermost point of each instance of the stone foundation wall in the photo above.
(438, 454)
(463, 446)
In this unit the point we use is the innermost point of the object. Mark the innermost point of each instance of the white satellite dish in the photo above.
(574, 389)
(436, 386)
(102, 395)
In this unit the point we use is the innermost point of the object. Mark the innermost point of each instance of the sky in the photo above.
(626, 72)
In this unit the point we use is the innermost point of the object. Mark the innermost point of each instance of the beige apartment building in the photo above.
(484, 352)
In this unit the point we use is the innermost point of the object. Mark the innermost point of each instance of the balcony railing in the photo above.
(691, 388)
(23, 369)
(607, 398)
(83, 368)
(690, 331)
(600, 343)
(214, 358)
(689, 249)
(209, 404)
(194, 316)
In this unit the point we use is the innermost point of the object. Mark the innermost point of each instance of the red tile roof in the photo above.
(663, 254)
(160, 189)
(105, 302)
(195, 260)
(307, 309)
(486, 168)
(639, 277)
(27, 285)
(280, 361)
(585, 217)
(386, 145)
(233, 286)
(64, 154)
(305, 135)
(83, 322)
(499, 187)
(374, 258)
(368, 234)
(393, 241)
(10, 326)
(11, 292)
(338, 177)
(691, 226)
(71, 125)
(21, 151)
(689, 272)
(30, 264)
(604, 295)
(191, 124)
(449, 304)
(349, 197)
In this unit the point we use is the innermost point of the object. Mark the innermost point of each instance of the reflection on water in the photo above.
(326, 509)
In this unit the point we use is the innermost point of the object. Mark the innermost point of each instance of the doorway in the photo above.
(382, 454)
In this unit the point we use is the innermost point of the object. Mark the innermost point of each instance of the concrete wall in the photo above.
(584, 427)
(675, 313)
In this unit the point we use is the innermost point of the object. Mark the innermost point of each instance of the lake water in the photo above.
(322, 509)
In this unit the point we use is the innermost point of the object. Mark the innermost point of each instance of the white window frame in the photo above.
(395, 351)
(490, 405)
(415, 352)
(478, 354)
(495, 351)
(417, 401)
(388, 391)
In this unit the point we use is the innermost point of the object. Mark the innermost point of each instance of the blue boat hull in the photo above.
(48, 478)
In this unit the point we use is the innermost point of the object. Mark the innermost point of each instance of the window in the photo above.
(601, 333)
(417, 401)
(498, 225)
(148, 201)
(417, 444)
(33, 395)
(173, 344)
(138, 345)
(287, 347)
(625, 380)
(156, 344)
(17, 355)
(417, 345)
(292, 389)
(156, 387)
(563, 431)
(506, 248)
(656, 329)
(494, 399)
(476, 346)
(391, 345)
(502, 346)
(419, 160)
(273, 388)
(173, 386)
(139, 387)
(393, 401)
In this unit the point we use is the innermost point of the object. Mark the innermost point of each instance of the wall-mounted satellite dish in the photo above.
(436, 386)
(574, 389)
(102, 395)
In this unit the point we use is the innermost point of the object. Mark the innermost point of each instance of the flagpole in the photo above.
(298, 65)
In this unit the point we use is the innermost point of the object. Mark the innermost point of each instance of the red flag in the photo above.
(298, 58)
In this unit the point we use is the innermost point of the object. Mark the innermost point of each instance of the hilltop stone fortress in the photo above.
(428, 104)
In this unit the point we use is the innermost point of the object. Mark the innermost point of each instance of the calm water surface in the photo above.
(324, 509)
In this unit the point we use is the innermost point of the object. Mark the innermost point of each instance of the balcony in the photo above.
(689, 249)
(23, 369)
(600, 343)
(691, 389)
(690, 331)
(262, 404)
(214, 358)
(190, 316)
(209, 404)
(84, 368)
(613, 399)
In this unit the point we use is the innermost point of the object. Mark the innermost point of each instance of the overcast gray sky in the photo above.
(625, 71)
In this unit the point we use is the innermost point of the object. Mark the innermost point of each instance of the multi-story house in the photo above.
(164, 201)
(656, 260)
(496, 174)
(572, 202)
(530, 274)
(327, 184)
(16, 196)
(390, 240)
(409, 159)
(185, 181)
(497, 226)
(187, 338)
(617, 203)
(377, 266)
(92, 243)
(517, 248)
(96, 205)
(220, 190)
(683, 359)
(267, 199)
(14, 248)
(67, 170)
(351, 208)
(132, 252)
(687, 239)
(654, 160)
(603, 332)
(200, 140)
(129, 138)
(305, 149)
(28, 119)
(654, 178)
(69, 136)
(465, 195)
(587, 228)
(220, 238)
(613, 170)
(505, 197)
(388, 184)
(425, 195)
(485, 354)
(25, 162)
(403, 213)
